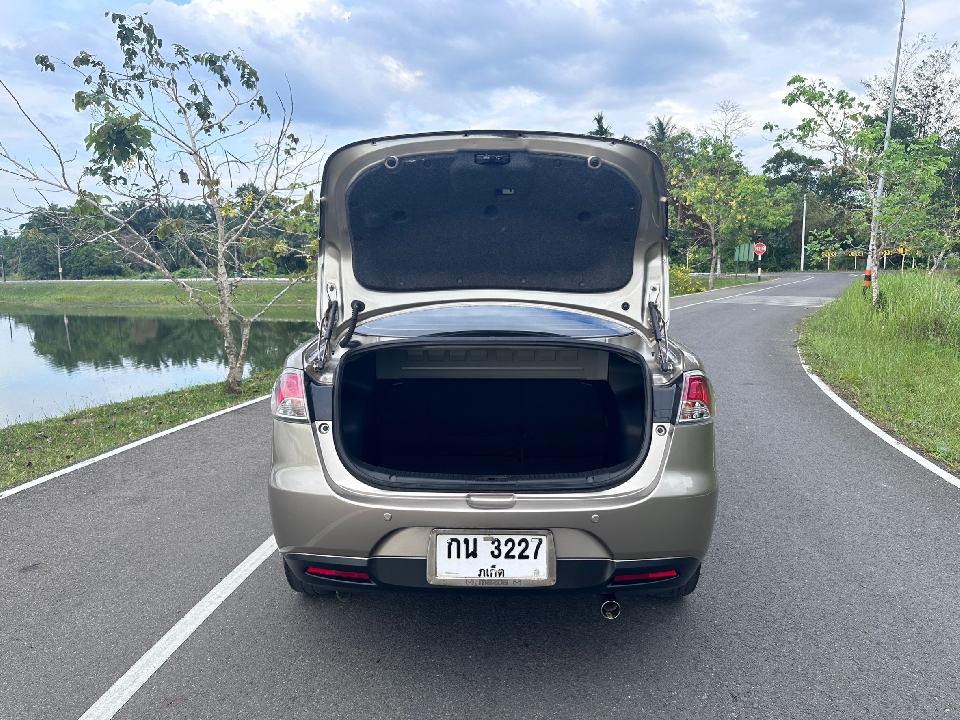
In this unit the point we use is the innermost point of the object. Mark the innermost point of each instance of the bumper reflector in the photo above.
(646, 577)
(339, 574)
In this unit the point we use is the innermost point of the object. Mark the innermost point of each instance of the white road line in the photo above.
(725, 297)
(123, 448)
(886, 437)
(123, 689)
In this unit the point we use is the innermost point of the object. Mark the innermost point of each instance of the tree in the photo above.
(600, 130)
(172, 129)
(905, 208)
(709, 188)
(673, 144)
(928, 92)
(822, 246)
(841, 127)
(728, 122)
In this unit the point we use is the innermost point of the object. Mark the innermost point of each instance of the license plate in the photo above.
(493, 559)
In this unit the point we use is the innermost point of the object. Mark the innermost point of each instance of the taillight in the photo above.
(338, 574)
(696, 403)
(289, 401)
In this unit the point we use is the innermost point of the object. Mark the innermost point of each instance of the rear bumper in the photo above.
(386, 534)
(593, 575)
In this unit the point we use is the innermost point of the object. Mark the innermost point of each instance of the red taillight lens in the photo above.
(339, 574)
(696, 403)
(289, 401)
(646, 577)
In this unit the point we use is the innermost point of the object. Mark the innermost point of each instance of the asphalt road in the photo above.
(830, 591)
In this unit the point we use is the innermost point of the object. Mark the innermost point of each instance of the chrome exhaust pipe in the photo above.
(609, 607)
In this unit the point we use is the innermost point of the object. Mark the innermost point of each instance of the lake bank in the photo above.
(30, 450)
(54, 364)
(149, 298)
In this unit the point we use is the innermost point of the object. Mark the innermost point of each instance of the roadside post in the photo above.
(3, 269)
(856, 253)
(759, 248)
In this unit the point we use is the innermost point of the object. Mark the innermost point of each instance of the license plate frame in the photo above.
(484, 540)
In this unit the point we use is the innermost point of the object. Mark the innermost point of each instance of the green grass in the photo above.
(899, 365)
(683, 284)
(155, 299)
(727, 281)
(29, 450)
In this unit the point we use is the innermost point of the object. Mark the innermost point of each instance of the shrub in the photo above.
(682, 284)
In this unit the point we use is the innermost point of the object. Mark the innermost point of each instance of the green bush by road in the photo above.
(149, 298)
(899, 365)
(29, 450)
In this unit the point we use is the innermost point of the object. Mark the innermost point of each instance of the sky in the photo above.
(372, 68)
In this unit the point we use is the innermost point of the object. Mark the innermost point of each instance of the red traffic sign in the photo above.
(760, 248)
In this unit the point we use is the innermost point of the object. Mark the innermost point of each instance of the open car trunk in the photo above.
(493, 416)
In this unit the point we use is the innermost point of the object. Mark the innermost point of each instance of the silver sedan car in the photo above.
(493, 403)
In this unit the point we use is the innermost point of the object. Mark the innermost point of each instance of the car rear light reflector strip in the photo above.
(289, 400)
(646, 577)
(696, 403)
(338, 574)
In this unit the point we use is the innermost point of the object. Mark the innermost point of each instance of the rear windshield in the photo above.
(491, 320)
(470, 220)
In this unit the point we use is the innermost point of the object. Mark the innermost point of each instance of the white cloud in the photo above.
(360, 68)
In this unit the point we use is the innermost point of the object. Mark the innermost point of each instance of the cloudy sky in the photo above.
(361, 68)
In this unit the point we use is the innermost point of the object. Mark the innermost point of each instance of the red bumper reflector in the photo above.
(341, 574)
(643, 577)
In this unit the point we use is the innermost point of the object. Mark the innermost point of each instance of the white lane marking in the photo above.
(713, 300)
(785, 300)
(123, 448)
(886, 437)
(123, 689)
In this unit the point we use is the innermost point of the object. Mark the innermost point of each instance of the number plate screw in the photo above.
(388, 517)
(594, 518)
(661, 430)
(324, 428)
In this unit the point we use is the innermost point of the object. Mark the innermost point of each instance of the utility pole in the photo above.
(875, 222)
(803, 233)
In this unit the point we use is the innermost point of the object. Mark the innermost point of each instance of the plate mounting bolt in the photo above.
(594, 518)
(388, 517)
(661, 430)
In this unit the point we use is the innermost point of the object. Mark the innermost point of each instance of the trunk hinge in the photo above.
(660, 335)
(326, 330)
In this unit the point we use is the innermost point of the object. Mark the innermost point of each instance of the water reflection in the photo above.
(50, 364)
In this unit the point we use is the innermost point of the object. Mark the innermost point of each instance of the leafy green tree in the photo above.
(822, 247)
(732, 205)
(843, 128)
(600, 130)
(170, 129)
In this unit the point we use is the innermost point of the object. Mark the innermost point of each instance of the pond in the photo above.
(54, 364)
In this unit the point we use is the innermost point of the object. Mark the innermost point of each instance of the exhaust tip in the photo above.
(610, 608)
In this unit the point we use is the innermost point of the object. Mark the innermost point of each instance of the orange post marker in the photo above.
(868, 278)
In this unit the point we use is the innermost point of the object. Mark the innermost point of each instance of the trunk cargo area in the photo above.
(455, 417)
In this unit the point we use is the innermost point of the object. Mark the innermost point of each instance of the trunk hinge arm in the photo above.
(326, 330)
(660, 335)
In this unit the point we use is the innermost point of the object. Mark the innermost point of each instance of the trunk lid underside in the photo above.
(562, 220)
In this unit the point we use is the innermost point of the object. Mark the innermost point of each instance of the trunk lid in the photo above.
(517, 217)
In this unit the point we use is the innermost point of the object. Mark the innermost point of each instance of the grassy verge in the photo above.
(155, 299)
(29, 450)
(899, 365)
(682, 283)
(727, 281)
